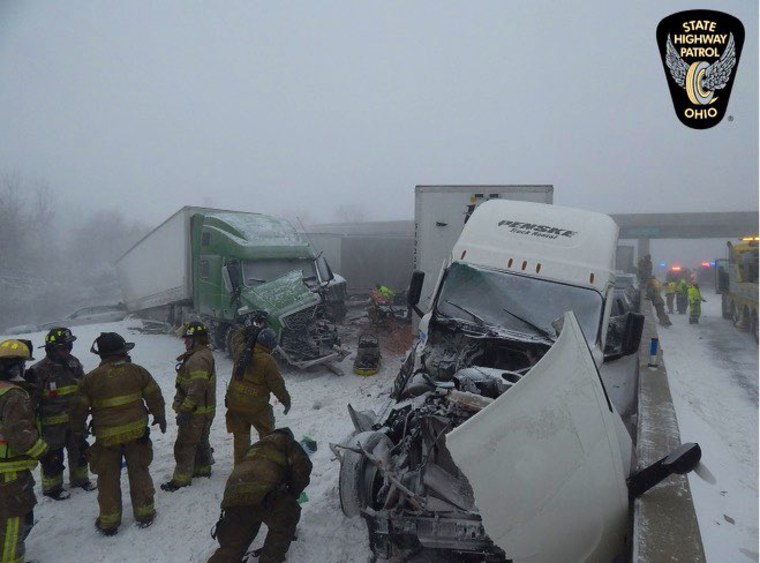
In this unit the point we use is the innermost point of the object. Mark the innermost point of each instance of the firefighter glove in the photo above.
(161, 421)
(287, 409)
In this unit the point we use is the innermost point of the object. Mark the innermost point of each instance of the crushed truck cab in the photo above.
(500, 442)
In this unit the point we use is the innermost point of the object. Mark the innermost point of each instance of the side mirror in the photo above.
(415, 291)
(681, 460)
(623, 336)
(325, 273)
(634, 326)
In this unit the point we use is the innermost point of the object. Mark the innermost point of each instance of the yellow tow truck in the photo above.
(736, 281)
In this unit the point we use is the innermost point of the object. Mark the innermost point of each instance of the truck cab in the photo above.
(252, 262)
(500, 442)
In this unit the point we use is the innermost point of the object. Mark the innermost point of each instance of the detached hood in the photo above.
(283, 295)
(545, 464)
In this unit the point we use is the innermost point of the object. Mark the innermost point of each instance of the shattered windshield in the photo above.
(263, 271)
(518, 303)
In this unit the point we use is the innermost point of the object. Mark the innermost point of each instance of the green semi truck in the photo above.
(218, 266)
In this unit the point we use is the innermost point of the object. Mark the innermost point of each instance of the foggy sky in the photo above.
(294, 108)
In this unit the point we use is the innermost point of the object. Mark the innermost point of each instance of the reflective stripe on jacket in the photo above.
(196, 382)
(20, 442)
(116, 394)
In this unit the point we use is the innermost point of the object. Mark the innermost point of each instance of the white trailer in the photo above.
(440, 213)
(157, 270)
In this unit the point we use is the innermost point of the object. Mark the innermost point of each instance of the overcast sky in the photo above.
(298, 107)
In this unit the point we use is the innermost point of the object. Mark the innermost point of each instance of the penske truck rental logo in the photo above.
(700, 52)
(536, 230)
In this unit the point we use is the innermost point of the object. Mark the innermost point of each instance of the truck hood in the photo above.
(281, 296)
(545, 464)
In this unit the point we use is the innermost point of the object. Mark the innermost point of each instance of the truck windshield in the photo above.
(263, 271)
(518, 303)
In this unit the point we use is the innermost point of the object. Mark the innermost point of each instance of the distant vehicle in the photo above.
(89, 315)
(20, 329)
(737, 282)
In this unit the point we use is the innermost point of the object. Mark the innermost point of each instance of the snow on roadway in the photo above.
(712, 370)
(65, 532)
(713, 375)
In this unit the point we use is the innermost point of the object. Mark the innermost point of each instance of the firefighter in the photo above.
(56, 378)
(116, 394)
(644, 269)
(21, 446)
(263, 487)
(195, 406)
(247, 399)
(682, 296)
(670, 294)
(653, 293)
(695, 303)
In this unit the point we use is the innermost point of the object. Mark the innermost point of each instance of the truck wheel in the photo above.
(725, 311)
(735, 318)
(358, 477)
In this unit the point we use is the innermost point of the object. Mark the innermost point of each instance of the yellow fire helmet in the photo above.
(14, 349)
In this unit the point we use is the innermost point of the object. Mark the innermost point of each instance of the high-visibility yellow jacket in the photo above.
(671, 287)
(695, 295)
(116, 393)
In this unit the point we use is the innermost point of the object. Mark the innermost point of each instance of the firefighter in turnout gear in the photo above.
(263, 487)
(115, 394)
(247, 399)
(195, 405)
(56, 378)
(20, 448)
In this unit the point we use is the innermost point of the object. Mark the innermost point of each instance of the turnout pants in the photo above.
(192, 450)
(239, 425)
(105, 462)
(239, 526)
(13, 533)
(52, 462)
(669, 298)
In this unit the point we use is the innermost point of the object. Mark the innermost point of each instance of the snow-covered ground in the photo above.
(65, 532)
(713, 375)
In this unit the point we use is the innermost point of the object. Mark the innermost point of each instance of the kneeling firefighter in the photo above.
(263, 487)
(20, 448)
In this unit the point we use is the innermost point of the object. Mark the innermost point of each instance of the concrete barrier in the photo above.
(665, 526)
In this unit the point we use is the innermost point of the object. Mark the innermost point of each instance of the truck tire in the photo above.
(724, 309)
(358, 476)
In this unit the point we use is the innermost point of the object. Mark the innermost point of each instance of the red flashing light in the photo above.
(704, 264)
(675, 268)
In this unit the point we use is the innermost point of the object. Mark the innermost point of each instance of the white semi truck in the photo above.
(441, 211)
(501, 443)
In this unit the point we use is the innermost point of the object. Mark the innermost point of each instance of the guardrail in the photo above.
(665, 526)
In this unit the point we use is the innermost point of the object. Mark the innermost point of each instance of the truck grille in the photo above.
(301, 320)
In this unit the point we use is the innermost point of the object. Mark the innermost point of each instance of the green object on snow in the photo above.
(302, 498)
